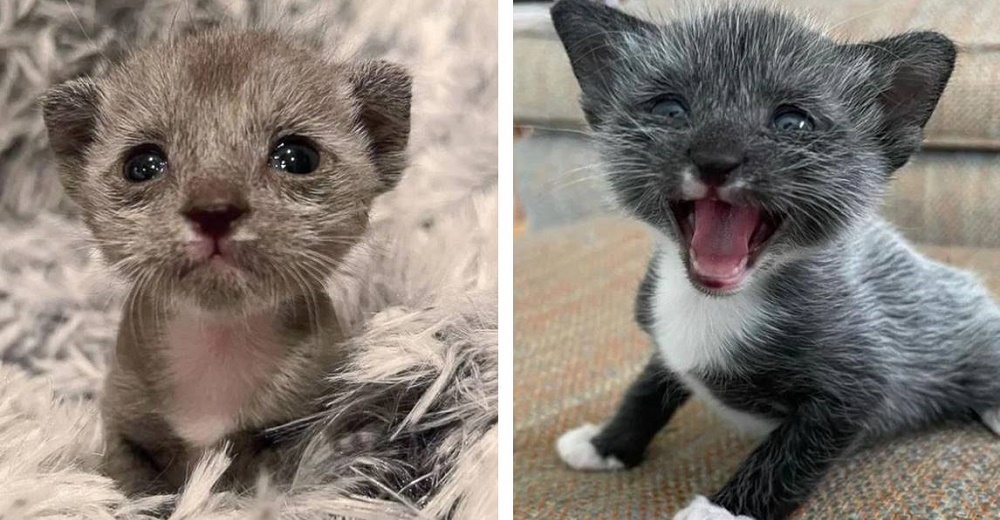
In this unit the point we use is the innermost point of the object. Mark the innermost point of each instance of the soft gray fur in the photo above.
(849, 334)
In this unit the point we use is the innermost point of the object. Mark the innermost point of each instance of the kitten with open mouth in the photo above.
(758, 151)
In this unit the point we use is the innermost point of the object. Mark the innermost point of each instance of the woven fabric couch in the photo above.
(578, 264)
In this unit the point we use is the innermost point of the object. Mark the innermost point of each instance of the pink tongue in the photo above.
(721, 243)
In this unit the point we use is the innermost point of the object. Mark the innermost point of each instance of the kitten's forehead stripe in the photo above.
(217, 68)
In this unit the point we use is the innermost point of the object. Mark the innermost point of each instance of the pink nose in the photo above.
(214, 221)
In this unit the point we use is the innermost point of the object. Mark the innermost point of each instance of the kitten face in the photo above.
(744, 136)
(229, 168)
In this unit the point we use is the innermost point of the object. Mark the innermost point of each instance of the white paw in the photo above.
(991, 418)
(575, 449)
(701, 509)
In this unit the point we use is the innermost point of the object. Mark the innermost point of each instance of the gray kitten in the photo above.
(758, 151)
(224, 175)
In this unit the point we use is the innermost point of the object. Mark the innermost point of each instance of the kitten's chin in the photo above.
(217, 282)
(722, 242)
(216, 293)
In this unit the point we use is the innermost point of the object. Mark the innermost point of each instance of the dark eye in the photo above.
(791, 119)
(669, 107)
(294, 154)
(145, 163)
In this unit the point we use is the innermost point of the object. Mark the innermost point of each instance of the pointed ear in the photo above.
(384, 90)
(911, 71)
(70, 112)
(596, 38)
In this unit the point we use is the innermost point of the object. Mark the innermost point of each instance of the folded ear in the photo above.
(911, 71)
(596, 38)
(70, 112)
(384, 90)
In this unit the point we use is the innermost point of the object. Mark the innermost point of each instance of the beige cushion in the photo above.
(576, 348)
(968, 116)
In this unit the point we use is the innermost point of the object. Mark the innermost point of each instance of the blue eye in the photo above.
(790, 119)
(670, 108)
(145, 163)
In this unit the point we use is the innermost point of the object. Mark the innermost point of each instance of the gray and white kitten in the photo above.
(758, 151)
(225, 175)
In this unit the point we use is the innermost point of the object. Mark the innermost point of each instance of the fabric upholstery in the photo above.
(948, 198)
(577, 347)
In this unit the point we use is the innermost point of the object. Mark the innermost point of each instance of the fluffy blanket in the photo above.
(421, 294)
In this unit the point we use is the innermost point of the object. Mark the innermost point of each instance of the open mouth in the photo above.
(723, 240)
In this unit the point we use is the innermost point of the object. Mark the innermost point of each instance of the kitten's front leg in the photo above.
(131, 467)
(774, 480)
(648, 404)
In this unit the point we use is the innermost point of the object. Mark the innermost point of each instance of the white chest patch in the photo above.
(695, 331)
(216, 365)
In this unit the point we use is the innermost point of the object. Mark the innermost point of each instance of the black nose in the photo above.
(715, 163)
(216, 220)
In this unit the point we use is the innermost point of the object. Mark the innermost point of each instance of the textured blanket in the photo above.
(421, 294)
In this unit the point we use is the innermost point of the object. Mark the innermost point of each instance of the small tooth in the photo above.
(690, 218)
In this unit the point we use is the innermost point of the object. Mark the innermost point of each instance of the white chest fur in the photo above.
(216, 365)
(695, 331)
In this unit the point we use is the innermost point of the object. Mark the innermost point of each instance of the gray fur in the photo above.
(859, 336)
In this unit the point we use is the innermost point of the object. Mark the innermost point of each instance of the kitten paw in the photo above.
(576, 449)
(991, 418)
(701, 509)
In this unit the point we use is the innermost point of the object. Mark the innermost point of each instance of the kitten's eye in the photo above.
(670, 108)
(294, 154)
(144, 163)
(791, 119)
